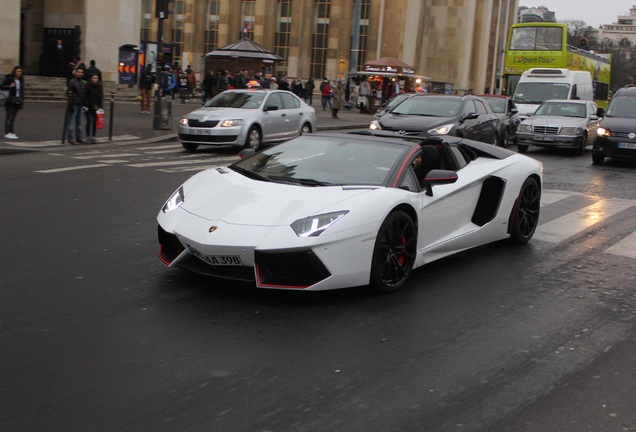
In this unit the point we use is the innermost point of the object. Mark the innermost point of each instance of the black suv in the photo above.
(616, 134)
(436, 115)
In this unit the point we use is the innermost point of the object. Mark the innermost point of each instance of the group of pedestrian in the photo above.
(85, 94)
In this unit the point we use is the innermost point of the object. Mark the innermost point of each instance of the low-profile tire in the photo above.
(306, 129)
(525, 216)
(393, 253)
(598, 158)
(190, 147)
(522, 148)
(254, 138)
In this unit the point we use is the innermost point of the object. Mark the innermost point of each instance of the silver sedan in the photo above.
(247, 118)
(560, 123)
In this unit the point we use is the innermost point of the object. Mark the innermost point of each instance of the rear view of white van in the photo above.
(540, 84)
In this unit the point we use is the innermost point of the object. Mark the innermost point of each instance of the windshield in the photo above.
(622, 106)
(429, 106)
(536, 93)
(325, 161)
(562, 109)
(248, 100)
(498, 104)
(537, 38)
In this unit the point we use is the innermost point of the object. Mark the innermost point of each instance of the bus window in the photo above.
(537, 39)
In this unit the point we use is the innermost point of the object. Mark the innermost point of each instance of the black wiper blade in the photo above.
(302, 181)
(248, 173)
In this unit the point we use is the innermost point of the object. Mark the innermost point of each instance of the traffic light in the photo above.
(162, 8)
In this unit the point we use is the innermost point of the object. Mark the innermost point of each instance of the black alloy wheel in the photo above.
(521, 148)
(393, 253)
(598, 158)
(525, 218)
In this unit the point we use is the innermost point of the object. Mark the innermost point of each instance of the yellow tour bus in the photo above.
(544, 45)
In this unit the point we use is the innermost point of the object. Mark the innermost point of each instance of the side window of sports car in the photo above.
(409, 182)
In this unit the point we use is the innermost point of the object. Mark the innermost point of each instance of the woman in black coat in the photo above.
(94, 102)
(14, 84)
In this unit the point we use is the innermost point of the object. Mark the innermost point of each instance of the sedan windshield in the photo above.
(325, 161)
(247, 100)
(622, 106)
(561, 109)
(429, 106)
(498, 104)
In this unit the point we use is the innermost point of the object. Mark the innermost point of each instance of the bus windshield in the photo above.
(537, 39)
(536, 93)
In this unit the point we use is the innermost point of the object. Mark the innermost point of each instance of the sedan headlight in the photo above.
(441, 130)
(174, 201)
(523, 127)
(313, 226)
(375, 125)
(603, 132)
(183, 121)
(231, 123)
(571, 131)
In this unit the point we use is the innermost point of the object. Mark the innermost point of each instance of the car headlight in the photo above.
(375, 125)
(183, 121)
(524, 128)
(441, 130)
(231, 123)
(571, 131)
(313, 226)
(174, 201)
(603, 132)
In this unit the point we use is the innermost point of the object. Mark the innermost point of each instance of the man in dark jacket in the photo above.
(76, 92)
(146, 80)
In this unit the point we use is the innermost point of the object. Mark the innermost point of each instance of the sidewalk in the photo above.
(40, 125)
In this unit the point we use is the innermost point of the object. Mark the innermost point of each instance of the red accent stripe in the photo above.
(405, 165)
(258, 282)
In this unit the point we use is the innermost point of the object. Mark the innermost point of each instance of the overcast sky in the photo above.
(593, 12)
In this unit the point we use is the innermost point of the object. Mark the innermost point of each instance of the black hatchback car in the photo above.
(436, 115)
(616, 133)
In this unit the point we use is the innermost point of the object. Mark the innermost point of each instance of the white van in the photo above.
(540, 84)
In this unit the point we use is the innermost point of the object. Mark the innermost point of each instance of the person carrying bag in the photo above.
(13, 86)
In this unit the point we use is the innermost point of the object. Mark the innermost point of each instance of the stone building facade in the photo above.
(451, 41)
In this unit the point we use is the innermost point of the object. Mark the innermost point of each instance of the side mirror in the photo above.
(600, 112)
(438, 177)
(470, 116)
(514, 111)
(246, 153)
(271, 108)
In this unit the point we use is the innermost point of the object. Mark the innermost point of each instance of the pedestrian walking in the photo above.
(326, 93)
(92, 69)
(207, 86)
(14, 84)
(168, 81)
(338, 95)
(309, 90)
(76, 93)
(146, 80)
(94, 102)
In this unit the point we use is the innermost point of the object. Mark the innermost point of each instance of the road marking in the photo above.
(550, 197)
(81, 167)
(169, 163)
(101, 155)
(566, 226)
(625, 247)
(190, 168)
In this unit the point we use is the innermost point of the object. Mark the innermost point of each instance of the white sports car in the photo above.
(326, 211)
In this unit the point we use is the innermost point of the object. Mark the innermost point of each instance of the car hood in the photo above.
(619, 124)
(204, 114)
(557, 121)
(413, 122)
(222, 194)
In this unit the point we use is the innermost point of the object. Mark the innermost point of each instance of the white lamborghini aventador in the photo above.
(326, 211)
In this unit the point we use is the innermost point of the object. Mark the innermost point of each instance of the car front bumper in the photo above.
(539, 140)
(615, 147)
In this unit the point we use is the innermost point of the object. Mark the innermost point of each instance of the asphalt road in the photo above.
(97, 335)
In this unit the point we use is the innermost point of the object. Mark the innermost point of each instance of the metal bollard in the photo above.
(112, 116)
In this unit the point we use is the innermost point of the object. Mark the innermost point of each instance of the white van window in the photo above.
(537, 92)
